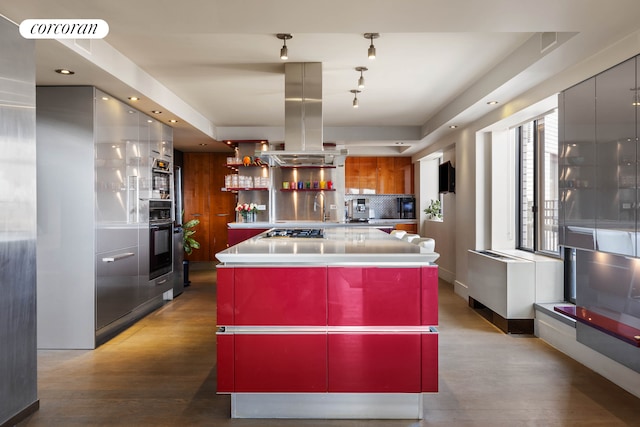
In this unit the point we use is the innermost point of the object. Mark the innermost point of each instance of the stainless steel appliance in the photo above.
(360, 209)
(160, 179)
(305, 233)
(406, 207)
(160, 238)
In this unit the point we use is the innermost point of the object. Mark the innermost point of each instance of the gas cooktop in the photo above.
(308, 233)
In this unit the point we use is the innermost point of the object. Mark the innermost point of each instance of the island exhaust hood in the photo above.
(303, 144)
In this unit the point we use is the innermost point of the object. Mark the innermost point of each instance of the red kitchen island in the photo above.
(337, 326)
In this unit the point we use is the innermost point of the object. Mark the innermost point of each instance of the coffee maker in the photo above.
(360, 210)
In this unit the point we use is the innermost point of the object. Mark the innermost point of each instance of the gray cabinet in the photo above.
(94, 185)
(616, 160)
(598, 162)
(577, 166)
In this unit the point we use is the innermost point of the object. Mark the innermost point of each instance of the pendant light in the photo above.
(372, 49)
(361, 79)
(284, 52)
(355, 93)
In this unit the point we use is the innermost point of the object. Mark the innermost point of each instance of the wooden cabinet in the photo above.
(409, 228)
(378, 175)
(385, 169)
(403, 175)
(203, 176)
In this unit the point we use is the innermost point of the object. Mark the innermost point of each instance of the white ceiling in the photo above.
(214, 64)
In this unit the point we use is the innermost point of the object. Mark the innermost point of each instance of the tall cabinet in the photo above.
(94, 186)
(203, 180)
(598, 162)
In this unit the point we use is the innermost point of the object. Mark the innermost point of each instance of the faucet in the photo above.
(324, 203)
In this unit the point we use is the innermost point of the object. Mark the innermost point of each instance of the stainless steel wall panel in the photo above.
(303, 106)
(18, 370)
(66, 217)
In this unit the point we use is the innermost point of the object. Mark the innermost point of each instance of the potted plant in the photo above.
(188, 244)
(434, 210)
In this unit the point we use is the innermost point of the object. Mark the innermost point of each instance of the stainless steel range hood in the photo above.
(303, 144)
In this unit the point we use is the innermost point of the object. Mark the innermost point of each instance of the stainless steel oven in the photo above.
(160, 238)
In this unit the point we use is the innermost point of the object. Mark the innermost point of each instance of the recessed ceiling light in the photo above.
(202, 144)
(104, 98)
(492, 102)
(65, 71)
(134, 98)
(229, 142)
(131, 112)
(156, 112)
(173, 121)
(399, 143)
(149, 121)
(453, 127)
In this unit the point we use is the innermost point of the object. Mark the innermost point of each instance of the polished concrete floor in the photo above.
(162, 372)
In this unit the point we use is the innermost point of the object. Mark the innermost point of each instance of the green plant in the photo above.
(188, 242)
(434, 210)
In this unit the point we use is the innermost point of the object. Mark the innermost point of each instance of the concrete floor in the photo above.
(161, 372)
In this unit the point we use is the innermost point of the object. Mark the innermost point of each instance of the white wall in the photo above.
(503, 190)
(444, 232)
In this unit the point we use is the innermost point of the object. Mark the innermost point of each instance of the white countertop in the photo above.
(381, 223)
(340, 246)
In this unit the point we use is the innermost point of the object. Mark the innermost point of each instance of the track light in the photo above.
(284, 52)
(372, 49)
(361, 79)
(355, 93)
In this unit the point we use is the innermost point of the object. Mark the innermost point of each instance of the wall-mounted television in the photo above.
(447, 178)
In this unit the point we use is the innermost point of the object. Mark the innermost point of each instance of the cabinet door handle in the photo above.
(222, 214)
(161, 282)
(196, 214)
(118, 257)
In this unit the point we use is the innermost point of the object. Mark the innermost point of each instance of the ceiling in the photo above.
(214, 65)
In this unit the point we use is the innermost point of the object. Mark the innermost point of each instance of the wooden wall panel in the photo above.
(203, 175)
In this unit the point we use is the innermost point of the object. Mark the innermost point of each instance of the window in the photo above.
(537, 143)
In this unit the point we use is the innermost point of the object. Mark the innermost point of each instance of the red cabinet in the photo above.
(374, 363)
(237, 235)
(429, 362)
(372, 296)
(429, 296)
(280, 363)
(224, 289)
(327, 329)
(281, 296)
(224, 359)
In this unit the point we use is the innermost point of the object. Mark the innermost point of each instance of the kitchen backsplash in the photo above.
(383, 205)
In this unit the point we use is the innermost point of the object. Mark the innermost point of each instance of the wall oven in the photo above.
(160, 238)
